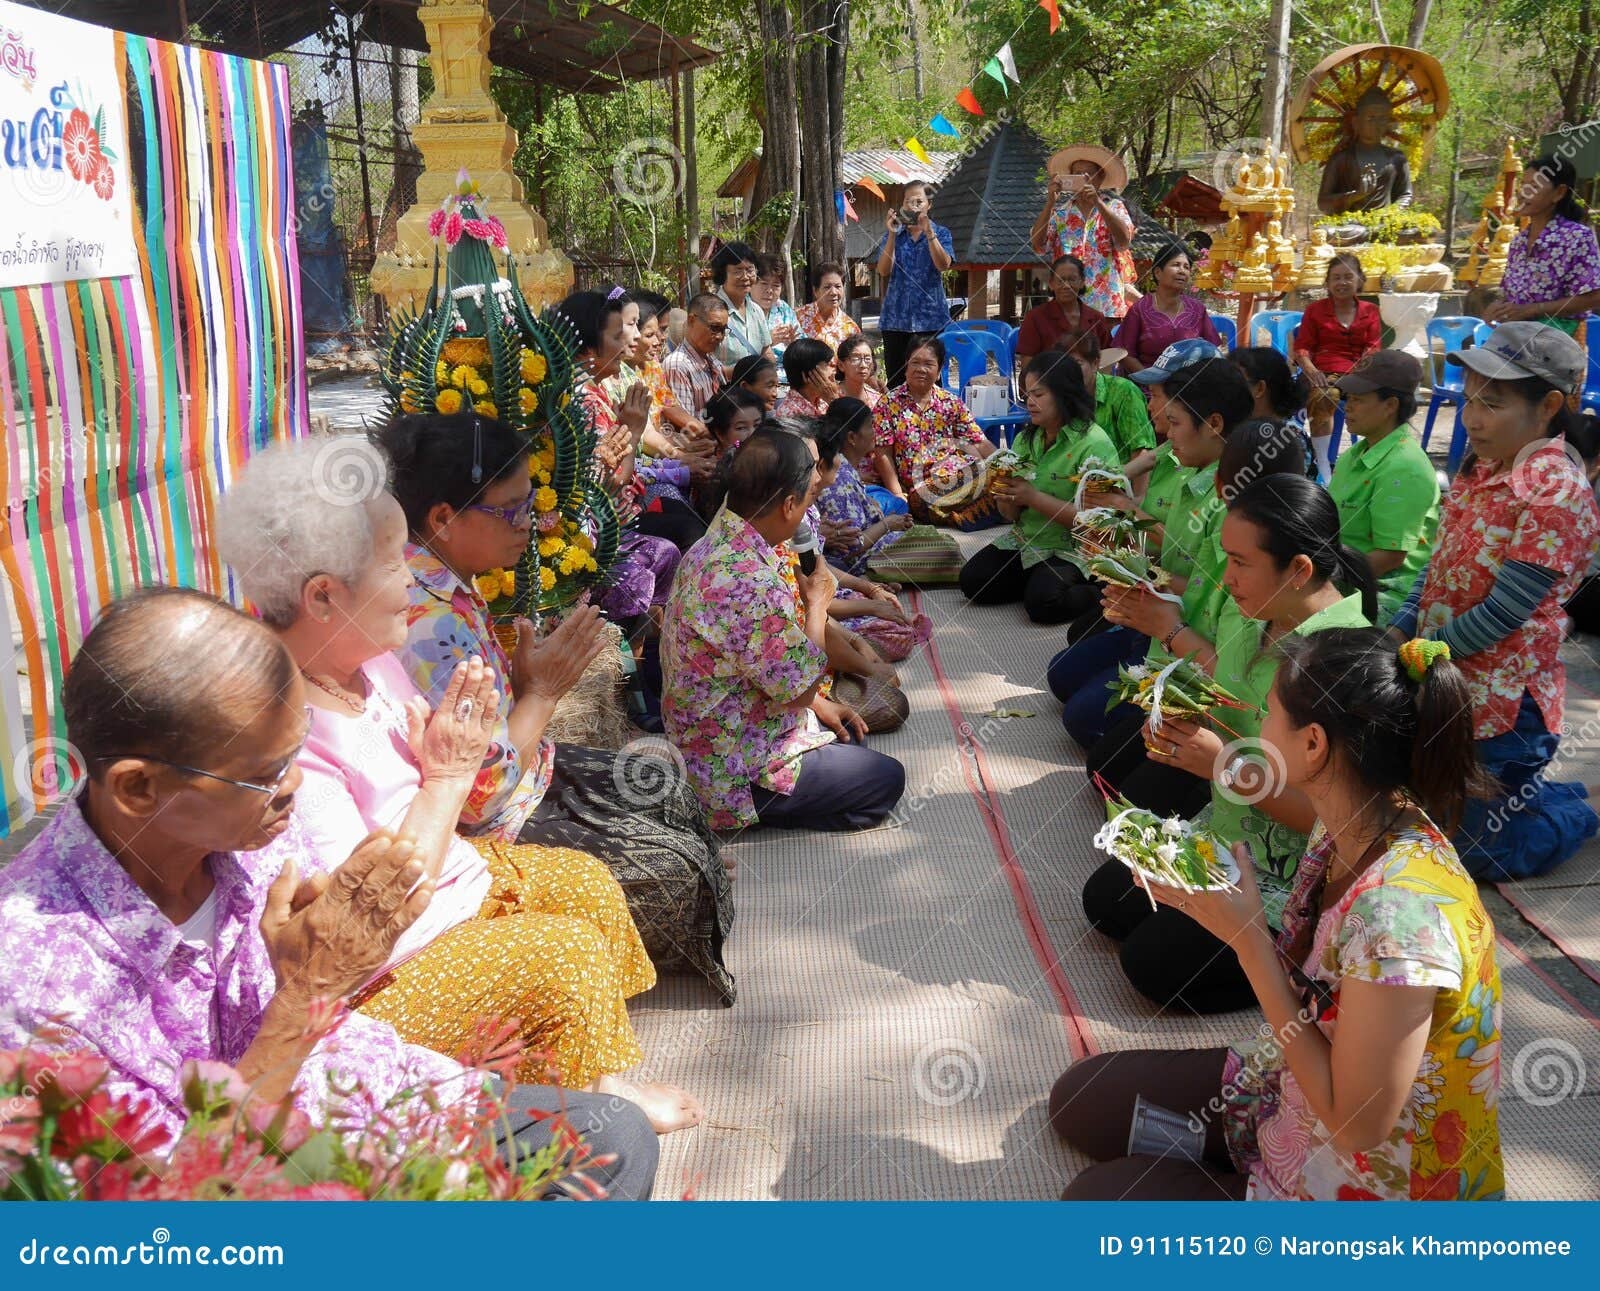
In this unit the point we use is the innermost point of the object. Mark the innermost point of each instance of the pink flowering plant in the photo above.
(64, 1136)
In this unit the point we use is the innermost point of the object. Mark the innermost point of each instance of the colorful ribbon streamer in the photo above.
(918, 151)
(939, 125)
(968, 100)
(128, 404)
(1049, 6)
(996, 73)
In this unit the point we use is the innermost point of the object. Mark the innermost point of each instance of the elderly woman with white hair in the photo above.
(539, 935)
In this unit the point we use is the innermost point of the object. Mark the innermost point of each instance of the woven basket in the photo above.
(592, 713)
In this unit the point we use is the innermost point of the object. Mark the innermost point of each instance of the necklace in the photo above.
(356, 705)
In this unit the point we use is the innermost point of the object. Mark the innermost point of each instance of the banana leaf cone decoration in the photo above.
(476, 347)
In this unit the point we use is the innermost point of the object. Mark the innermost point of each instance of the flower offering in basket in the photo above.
(1179, 690)
(1110, 531)
(1097, 477)
(1170, 852)
(1127, 569)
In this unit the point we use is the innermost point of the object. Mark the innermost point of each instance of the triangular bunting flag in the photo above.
(969, 101)
(995, 72)
(871, 185)
(918, 151)
(1008, 62)
(839, 203)
(1049, 6)
(850, 209)
(939, 125)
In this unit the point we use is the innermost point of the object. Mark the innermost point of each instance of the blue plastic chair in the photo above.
(1228, 330)
(994, 326)
(969, 353)
(1456, 331)
(1591, 384)
(1275, 327)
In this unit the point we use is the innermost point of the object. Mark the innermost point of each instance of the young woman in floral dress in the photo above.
(1377, 1074)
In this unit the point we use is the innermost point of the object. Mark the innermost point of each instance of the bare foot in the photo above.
(730, 864)
(668, 1107)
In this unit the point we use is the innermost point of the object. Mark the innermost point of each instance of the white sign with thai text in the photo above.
(66, 208)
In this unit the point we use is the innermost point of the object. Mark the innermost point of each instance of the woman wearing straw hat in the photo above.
(1083, 218)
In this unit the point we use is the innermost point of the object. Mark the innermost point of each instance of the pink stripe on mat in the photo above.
(1079, 1040)
(1577, 1006)
(1578, 961)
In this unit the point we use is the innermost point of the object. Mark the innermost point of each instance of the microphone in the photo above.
(805, 546)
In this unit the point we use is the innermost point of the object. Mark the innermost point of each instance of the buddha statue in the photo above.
(1253, 274)
(1314, 268)
(1494, 264)
(1280, 250)
(1366, 173)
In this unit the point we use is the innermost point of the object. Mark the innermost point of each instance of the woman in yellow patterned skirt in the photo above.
(537, 935)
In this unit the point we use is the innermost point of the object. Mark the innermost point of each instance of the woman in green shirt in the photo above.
(1286, 574)
(1119, 405)
(1386, 489)
(1035, 561)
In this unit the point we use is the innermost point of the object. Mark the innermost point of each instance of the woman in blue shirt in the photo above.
(912, 257)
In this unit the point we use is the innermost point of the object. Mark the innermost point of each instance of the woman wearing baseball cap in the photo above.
(1384, 485)
(1516, 534)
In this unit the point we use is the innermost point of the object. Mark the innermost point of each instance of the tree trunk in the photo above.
(691, 180)
(1277, 97)
(1419, 22)
(780, 152)
(821, 68)
(915, 36)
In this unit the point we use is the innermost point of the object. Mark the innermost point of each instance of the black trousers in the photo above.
(609, 1125)
(1091, 1107)
(677, 522)
(896, 347)
(1167, 957)
(1053, 591)
(840, 787)
(1118, 757)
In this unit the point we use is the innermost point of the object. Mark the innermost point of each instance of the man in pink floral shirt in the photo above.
(744, 664)
(138, 926)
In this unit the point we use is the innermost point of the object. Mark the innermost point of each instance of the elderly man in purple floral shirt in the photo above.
(745, 666)
(137, 924)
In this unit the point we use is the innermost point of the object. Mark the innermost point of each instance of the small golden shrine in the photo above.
(462, 127)
(1261, 256)
(1490, 243)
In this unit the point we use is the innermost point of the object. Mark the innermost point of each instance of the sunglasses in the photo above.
(518, 517)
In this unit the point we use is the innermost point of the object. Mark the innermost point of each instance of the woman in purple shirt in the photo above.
(1553, 265)
(1167, 314)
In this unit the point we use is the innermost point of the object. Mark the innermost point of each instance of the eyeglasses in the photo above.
(518, 517)
(716, 329)
(269, 788)
(743, 270)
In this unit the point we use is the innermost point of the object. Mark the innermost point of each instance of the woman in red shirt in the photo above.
(1333, 335)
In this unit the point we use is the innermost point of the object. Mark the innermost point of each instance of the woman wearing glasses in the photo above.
(1378, 1072)
(538, 934)
(634, 812)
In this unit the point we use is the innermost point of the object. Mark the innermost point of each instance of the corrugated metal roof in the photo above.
(897, 166)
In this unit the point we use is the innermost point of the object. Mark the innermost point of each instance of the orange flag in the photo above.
(969, 100)
(1049, 6)
(872, 187)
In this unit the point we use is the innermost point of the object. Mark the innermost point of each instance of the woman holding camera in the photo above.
(1083, 218)
(913, 256)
